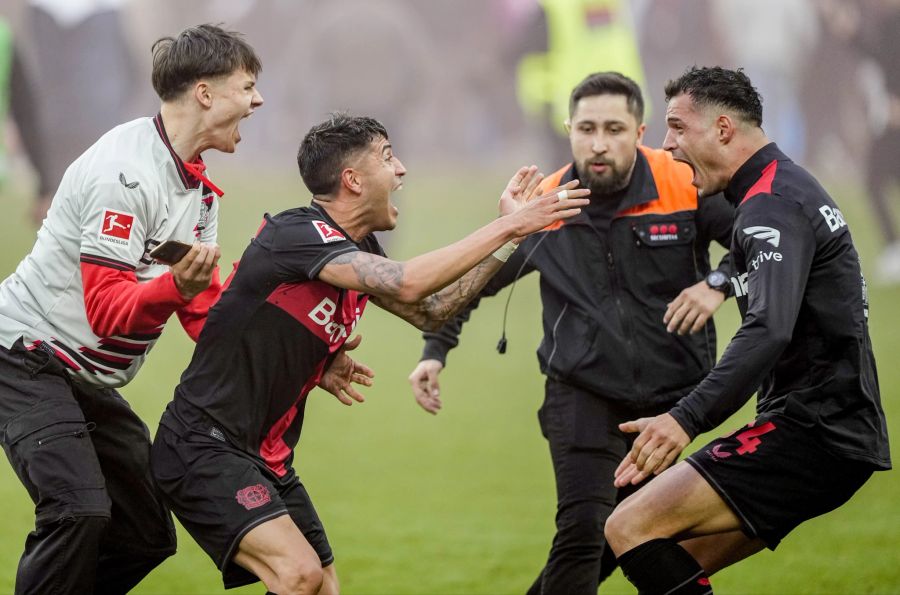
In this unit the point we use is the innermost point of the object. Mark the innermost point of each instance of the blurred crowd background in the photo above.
(465, 83)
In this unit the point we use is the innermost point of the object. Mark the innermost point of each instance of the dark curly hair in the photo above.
(327, 147)
(721, 87)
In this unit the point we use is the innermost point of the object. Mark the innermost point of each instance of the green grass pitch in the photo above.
(464, 502)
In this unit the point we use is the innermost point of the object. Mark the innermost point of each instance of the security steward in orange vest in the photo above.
(627, 295)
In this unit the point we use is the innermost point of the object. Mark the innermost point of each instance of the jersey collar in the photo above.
(640, 189)
(191, 174)
(751, 171)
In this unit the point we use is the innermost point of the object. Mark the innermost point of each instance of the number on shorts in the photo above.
(749, 438)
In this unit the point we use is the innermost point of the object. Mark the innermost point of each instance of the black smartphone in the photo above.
(170, 252)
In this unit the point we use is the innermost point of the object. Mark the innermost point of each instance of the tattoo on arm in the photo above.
(374, 273)
(432, 312)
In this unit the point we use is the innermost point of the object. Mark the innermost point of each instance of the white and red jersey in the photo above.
(89, 289)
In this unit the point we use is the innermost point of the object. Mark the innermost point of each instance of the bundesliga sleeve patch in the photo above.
(115, 227)
(328, 233)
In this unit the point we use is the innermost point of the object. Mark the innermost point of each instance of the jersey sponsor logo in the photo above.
(327, 312)
(328, 233)
(770, 234)
(126, 183)
(739, 283)
(764, 257)
(323, 315)
(253, 496)
(833, 218)
(116, 227)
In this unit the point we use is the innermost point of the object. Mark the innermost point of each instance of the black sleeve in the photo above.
(715, 220)
(779, 243)
(440, 342)
(301, 246)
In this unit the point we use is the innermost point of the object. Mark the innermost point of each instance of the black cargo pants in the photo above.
(586, 446)
(83, 455)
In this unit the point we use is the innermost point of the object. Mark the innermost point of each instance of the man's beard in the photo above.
(614, 180)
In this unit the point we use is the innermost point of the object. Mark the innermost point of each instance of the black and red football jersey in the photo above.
(804, 342)
(270, 337)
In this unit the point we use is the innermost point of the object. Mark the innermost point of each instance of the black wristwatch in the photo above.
(719, 281)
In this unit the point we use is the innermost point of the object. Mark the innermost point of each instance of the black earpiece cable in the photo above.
(501, 344)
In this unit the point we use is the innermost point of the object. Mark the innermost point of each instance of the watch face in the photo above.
(717, 279)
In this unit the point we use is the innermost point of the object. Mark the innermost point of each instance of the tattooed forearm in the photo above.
(432, 312)
(377, 273)
(444, 304)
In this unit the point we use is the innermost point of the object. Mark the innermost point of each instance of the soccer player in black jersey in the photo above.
(804, 346)
(224, 449)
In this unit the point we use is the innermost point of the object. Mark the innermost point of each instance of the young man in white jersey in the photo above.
(80, 313)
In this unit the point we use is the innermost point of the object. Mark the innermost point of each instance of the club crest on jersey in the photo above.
(116, 227)
(328, 233)
(253, 496)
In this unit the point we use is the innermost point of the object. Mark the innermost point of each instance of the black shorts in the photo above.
(775, 474)
(219, 494)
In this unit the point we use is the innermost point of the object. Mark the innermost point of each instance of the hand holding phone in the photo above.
(194, 272)
(170, 252)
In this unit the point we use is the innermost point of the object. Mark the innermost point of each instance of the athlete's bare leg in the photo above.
(678, 504)
(715, 552)
(285, 562)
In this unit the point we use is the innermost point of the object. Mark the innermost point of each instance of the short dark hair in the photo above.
(196, 53)
(730, 89)
(609, 83)
(327, 147)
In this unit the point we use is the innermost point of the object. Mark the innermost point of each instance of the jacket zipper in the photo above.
(553, 334)
(629, 345)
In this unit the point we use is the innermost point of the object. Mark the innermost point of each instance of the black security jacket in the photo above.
(604, 294)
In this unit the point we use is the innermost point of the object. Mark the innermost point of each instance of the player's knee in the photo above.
(621, 529)
(298, 577)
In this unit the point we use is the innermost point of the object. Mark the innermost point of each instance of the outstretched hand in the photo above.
(425, 385)
(659, 443)
(344, 372)
(530, 213)
(520, 189)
